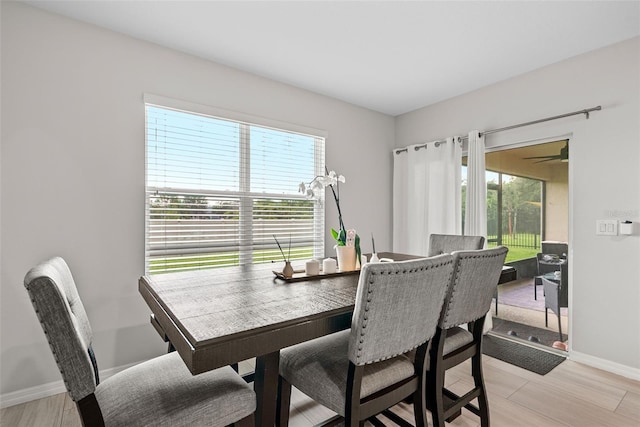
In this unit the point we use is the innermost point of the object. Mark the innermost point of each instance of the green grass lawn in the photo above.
(516, 253)
(519, 244)
(223, 259)
(226, 259)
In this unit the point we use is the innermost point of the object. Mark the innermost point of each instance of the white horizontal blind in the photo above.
(217, 191)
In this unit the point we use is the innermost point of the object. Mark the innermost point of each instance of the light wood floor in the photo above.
(570, 395)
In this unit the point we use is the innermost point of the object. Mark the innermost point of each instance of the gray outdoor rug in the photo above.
(539, 361)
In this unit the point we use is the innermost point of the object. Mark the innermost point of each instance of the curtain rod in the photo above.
(586, 112)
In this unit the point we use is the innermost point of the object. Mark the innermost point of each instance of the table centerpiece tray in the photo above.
(300, 275)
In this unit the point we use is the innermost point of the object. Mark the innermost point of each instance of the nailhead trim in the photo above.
(371, 281)
(455, 284)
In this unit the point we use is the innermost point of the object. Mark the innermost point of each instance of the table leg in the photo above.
(266, 387)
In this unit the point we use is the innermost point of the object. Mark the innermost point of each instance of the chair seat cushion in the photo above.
(162, 391)
(456, 338)
(319, 369)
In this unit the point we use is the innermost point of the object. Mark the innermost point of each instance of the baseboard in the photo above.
(605, 365)
(49, 389)
(31, 393)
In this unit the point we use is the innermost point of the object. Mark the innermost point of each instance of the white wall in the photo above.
(73, 171)
(72, 156)
(604, 175)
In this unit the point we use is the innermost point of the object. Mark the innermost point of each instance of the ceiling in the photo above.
(388, 56)
(515, 162)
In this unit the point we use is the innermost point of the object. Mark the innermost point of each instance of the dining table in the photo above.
(222, 316)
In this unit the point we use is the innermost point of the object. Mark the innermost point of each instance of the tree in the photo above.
(521, 196)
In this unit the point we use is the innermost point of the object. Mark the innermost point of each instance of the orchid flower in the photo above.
(312, 191)
(318, 184)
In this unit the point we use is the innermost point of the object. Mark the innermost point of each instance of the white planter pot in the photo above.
(346, 258)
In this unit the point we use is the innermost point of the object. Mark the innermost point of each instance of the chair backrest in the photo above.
(557, 248)
(447, 243)
(397, 307)
(548, 263)
(473, 284)
(57, 304)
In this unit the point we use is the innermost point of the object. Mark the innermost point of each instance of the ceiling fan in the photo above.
(562, 156)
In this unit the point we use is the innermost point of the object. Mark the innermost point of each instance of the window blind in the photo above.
(218, 190)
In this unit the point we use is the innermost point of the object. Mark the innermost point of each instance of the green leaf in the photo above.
(342, 237)
(339, 236)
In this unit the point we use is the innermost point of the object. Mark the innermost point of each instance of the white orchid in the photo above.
(313, 191)
(333, 178)
(319, 183)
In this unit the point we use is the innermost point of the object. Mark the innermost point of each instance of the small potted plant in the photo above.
(347, 241)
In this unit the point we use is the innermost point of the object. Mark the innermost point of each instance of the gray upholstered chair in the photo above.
(362, 371)
(158, 392)
(447, 243)
(556, 296)
(475, 277)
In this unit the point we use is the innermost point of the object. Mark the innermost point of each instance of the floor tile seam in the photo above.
(575, 397)
(543, 415)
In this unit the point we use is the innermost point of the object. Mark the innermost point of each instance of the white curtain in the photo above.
(475, 222)
(426, 194)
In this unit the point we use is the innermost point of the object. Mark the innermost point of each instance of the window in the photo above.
(514, 212)
(218, 190)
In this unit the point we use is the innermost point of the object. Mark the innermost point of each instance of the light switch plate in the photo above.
(607, 227)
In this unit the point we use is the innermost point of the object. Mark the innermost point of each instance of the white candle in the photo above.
(329, 265)
(312, 268)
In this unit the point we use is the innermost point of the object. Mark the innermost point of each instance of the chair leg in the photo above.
(283, 402)
(546, 317)
(248, 421)
(352, 404)
(435, 383)
(419, 396)
(478, 376)
(435, 379)
(559, 327)
(89, 411)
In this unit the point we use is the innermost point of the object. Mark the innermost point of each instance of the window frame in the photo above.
(247, 198)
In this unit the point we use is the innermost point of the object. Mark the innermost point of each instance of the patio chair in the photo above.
(546, 263)
(556, 296)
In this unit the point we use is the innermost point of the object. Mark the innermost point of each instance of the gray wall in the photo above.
(73, 171)
(604, 181)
